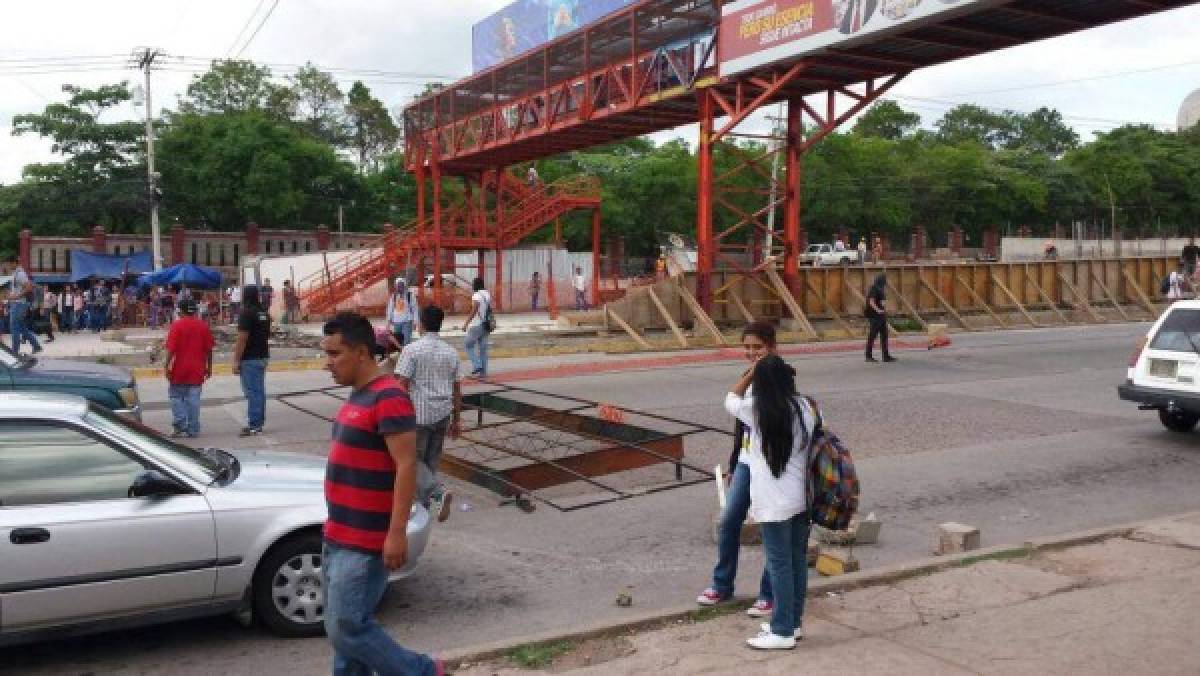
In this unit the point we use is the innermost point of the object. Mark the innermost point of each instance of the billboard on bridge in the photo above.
(526, 24)
(756, 33)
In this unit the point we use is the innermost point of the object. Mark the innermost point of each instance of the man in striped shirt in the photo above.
(370, 481)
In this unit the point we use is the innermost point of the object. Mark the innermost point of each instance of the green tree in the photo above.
(319, 103)
(1044, 131)
(887, 120)
(373, 134)
(969, 123)
(237, 86)
(223, 171)
(101, 178)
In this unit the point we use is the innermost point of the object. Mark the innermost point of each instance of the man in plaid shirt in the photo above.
(428, 368)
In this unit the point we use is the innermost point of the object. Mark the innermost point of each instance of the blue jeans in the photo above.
(18, 311)
(729, 537)
(66, 322)
(185, 408)
(786, 545)
(254, 386)
(476, 345)
(403, 331)
(580, 300)
(534, 295)
(354, 583)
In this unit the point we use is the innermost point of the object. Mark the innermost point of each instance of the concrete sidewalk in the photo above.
(1124, 604)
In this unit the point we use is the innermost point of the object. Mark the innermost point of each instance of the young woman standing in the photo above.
(758, 341)
(476, 343)
(779, 424)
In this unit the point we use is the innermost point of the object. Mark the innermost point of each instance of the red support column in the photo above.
(791, 209)
(323, 238)
(252, 243)
(99, 240)
(25, 249)
(436, 171)
(705, 254)
(498, 292)
(178, 236)
(596, 258)
(420, 250)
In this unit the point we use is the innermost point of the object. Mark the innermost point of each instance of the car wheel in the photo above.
(288, 596)
(1178, 421)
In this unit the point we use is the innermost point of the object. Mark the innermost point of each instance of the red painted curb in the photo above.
(726, 354)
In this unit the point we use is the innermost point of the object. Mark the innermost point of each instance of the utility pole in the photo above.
(143, 59)
(778, 144)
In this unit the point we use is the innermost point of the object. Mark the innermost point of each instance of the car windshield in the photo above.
(196, 465)
(1172, 336)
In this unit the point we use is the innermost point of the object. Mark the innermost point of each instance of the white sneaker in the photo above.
(766, 629)
(769, 641)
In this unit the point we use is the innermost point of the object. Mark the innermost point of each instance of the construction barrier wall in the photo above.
(933, 289)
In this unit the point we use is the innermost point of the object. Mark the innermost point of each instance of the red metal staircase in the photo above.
(522, 211)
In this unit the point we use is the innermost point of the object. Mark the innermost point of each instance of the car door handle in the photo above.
(28, 536)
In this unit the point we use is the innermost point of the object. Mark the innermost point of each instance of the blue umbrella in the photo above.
(184, 274)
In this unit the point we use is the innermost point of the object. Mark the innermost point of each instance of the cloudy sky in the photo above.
(1136, 72)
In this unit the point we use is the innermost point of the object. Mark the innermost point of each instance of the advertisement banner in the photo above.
(527, 24)
(756, 33)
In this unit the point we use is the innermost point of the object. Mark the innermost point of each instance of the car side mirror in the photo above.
(153, 483)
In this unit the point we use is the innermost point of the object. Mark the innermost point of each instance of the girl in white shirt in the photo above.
(779, 424)
(476, 341)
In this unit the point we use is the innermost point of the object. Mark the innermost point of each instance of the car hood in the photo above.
(75, 372)
(273, 471)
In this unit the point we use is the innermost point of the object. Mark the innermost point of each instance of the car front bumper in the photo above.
(1159, 398)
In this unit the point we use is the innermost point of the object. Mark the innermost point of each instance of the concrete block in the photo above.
(751, 533)
(956, 537)
(832, 562)
(867, 531)
(814, 551)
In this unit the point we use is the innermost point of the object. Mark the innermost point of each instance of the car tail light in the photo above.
(1137, 352)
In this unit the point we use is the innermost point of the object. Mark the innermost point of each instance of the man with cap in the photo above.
(189, 364)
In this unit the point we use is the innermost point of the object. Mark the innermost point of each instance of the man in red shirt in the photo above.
(370, 481)
(189, 364)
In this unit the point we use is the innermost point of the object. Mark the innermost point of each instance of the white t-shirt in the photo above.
(235, 296)
(484, 299)
(580, 283)
(1175, 292)
(773, 499)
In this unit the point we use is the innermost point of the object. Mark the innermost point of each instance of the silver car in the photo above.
(105, 524)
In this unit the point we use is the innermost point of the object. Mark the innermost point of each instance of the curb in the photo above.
(227, 370)
(840, 584)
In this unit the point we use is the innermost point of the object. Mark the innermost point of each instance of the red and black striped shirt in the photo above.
(360, 476)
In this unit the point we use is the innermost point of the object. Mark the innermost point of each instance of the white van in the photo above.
(1165, 366)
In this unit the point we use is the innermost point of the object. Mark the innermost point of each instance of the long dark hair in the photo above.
(774, 408)
(880, 282)
(761, 330)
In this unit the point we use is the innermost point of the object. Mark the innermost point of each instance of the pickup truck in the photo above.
(109, 386)
(825, 254)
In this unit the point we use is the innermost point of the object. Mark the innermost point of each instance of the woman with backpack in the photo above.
(478, 325)
(779, 424)
(758, 341)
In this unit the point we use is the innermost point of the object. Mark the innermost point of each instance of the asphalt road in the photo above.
(1019, 433)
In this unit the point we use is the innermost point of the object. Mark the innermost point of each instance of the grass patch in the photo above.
(907, 325)
(713, 612)
(540, 655)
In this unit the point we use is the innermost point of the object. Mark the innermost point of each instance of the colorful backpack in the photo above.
(832, 480)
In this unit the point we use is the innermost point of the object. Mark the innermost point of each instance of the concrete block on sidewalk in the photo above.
(751, 533)
(953, 538)
(814, 550)
(831, 562)
(864, 532)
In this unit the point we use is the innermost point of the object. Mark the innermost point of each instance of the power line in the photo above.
(249, 20)
(1093, 78)
(259, 28)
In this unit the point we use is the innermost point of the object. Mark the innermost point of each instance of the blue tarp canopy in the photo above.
(184, 274)
(52, 279)
(88, 265)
